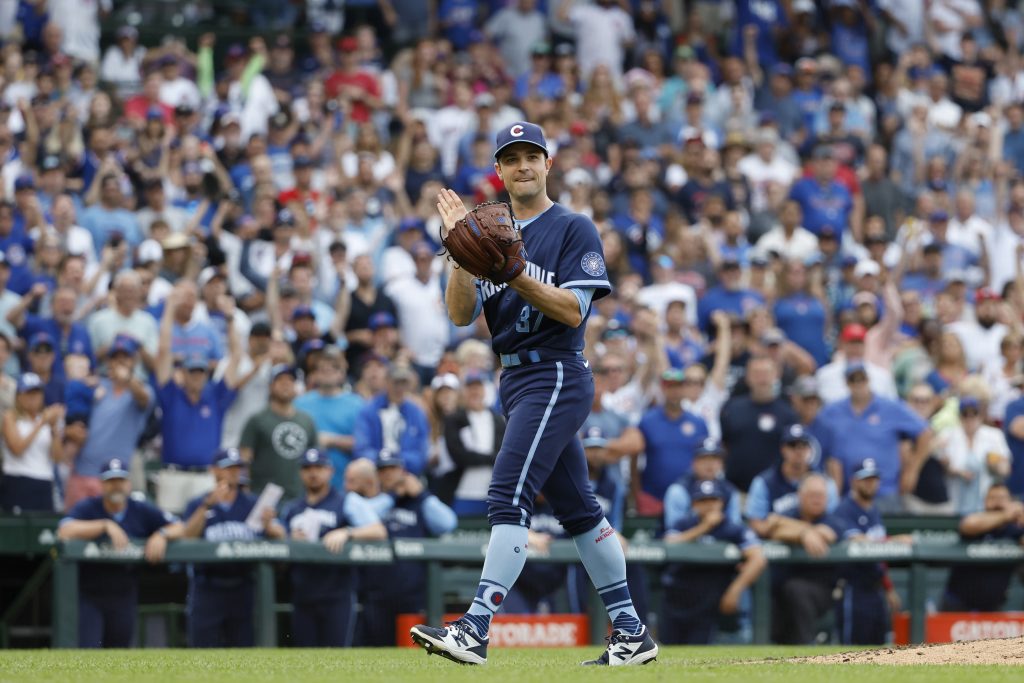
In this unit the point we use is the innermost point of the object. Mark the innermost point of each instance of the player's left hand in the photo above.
(451, 208)
(730, 602)
(336, 540)
(156, 548)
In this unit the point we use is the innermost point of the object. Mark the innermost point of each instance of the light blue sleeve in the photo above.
(439, 518)
(677, 505)
(758, 505)
(479, 306)
(584, 295)
(359, 512)
(734, 513)
(381, 504)
(833, 497)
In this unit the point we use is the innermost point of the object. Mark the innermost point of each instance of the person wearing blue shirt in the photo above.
(66, 335)
(773, 492)
(394, 422)
(802, 593)
(407, 510)
(708, 463)
(981, 587)
(16, 247)
(334, 409)
(220, 596)
(671, 436)
(868, 594)
(764, 19)
(1013, 139)
(457, 19)
(323, 595)
(540, 81)
(1013, 425)
(728, 295)
(107, 219)
(193, 406)
(801, 314)
(866, 424)
(108, 593)
(823, 199)
(695, 595)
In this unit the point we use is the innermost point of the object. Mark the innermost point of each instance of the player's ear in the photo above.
(548, 161)
(497, 169)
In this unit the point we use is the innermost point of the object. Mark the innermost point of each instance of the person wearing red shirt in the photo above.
(352, 83)
(302, 199)
(137, 108)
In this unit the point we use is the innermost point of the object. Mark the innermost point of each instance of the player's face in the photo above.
(523, 168)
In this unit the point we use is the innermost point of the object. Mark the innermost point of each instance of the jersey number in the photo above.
(523, 324)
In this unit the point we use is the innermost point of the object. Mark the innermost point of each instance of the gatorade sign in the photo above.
(949, 627)
(516, 630)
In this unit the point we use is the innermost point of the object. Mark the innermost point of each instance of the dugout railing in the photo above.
(436, 553)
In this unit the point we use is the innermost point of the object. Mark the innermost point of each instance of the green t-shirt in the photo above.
(277, 445)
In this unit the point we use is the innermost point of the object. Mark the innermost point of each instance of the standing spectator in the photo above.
(119, 411)
(394, 422)
(802, 594)
(832, 380)
(868, 598)
(603, 31)
(367, 300)
(516, 29)
(774, 492)
(801, 307)
(106, 219)
(982, 588)
(323, 595)
(976, 457)
(334, 407)
(31, 445)
(753, 425)
(706, 391)
(473, 435)
(867, 423)
(68, 336)
(80, 26)
(220, 597)
(191, 337)
(193, 414)
(788, 239)
(407, 511)
(125, 317)
(981, 337)
(1013, 425)
(423, 326)
(253, 383)
(931, 494)
(122, 62)
(695, 595)
(823, 199)
(728, 295)
(671, 436)
(274, 439)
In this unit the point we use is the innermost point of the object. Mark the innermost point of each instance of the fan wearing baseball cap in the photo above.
(981, 337)
(832, 385)
(108, 593)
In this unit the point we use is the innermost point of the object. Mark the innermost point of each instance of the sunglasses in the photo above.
(856, 379)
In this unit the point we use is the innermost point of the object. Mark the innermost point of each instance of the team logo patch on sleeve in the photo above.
(592, 264)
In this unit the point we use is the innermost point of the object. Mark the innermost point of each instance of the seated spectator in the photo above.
(472, 436)
(866, 423)
(193, 413)
(695, 595)
(729, 295)
(774, 492)
(118, 417)
(31, 445)
(976, 457)
(671, 436)
(323, 595)
(274, 439)
(391, 420)
(980, 587)
(108, 594)
(707, 465)
(802, 593)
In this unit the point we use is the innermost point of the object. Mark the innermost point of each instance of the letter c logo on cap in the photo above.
(516, 131)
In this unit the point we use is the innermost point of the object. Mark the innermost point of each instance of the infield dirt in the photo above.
(1007, 651)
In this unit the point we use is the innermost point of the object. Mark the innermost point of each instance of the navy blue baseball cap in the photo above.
(855, 367)
(228, 457)
(709, 488)
(24, 182)
(40, 339)
(796, 434)
(521, 131)
(866, 469)
(388, 458)
(29, 381)
(124, 344)
(302, 312)
(283, 369)
(969, 403)
(195, 363)
(314, 458)
(710, 447)
(311, 346)
(115, 468)
(381, 319)
(594, 437)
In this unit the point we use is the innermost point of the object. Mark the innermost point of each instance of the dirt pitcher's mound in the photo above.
(1003, 651)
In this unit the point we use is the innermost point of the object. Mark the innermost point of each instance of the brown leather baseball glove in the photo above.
(487, 244)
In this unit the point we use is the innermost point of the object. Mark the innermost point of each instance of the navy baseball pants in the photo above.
(546, 404)
(220, 615)
(863, 615)
(106, 620)
(327, 623)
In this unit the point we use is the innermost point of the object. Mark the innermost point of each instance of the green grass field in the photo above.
(718, 665)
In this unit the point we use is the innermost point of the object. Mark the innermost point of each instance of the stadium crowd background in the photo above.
(812, 212)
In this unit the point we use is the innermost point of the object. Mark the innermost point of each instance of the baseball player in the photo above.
(537, 322)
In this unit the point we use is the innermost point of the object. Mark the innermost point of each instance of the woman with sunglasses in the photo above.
(977, 456)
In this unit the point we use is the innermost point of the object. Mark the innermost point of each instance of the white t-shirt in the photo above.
(832, 381)
(601, 35)
(479, 437)
(949, 13)
(1002, 256)
(445, 129)
(422, 317)
(121, 70)
(79, 21)
(180, 91)
(251, 399)
(658, 297)
(969, 496)
(979, 344)
(35, 461)
(970, 233)
(801, 246)
(761, 175)
(911, 14)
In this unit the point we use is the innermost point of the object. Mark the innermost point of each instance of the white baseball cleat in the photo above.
(457, 641)
(625, 649)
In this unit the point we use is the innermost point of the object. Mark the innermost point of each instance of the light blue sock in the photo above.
(506, 555)
(606, 564)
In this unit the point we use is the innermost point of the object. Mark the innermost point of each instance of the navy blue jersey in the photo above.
(708, 580)
(139, 519)
(982, 587)
(336, 510)
(850, 520)
(822, 573)
(224, 523)
(564, 251)
(405, 518)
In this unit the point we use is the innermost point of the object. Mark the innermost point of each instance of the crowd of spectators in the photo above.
(812, 212)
